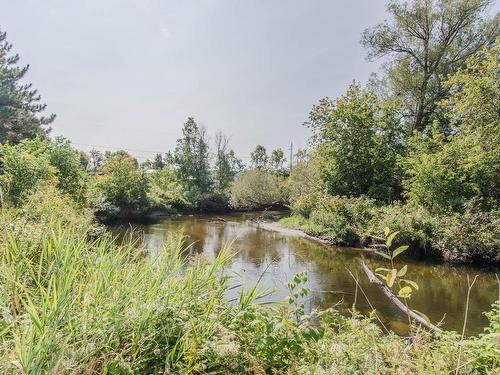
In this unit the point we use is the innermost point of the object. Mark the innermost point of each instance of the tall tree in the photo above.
(97, 160)
(427, 40)
(356, 145)
(191, 157)
(20, 107)
(227, 165)
(277, 161)
(158, 162)
(258, 157)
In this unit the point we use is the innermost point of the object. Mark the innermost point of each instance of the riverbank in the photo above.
(83, 314)
(472, 238)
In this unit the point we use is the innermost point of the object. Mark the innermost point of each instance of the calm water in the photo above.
(275, 257)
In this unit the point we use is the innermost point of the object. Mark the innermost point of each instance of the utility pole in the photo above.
(291, 156)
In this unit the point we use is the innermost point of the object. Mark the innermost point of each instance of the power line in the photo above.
(131, 149)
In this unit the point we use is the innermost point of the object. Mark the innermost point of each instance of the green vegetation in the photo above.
(438, 187)
(419, 155)
(74, 302)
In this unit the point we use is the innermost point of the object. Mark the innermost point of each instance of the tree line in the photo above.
(416, 148)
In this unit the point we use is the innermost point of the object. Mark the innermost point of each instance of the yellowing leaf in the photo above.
(399, 250)
(382, 269)
(402, 271)
(389, 240)
(412, 283)
(404, 292)
(391, 277)
(387, 231)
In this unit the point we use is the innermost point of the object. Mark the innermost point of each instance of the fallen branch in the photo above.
(374, 280)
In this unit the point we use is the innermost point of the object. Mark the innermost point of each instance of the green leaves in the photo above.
(390, 238)
(399, 250)
(403, 271)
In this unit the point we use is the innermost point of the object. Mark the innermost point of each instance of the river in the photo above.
(273, 258)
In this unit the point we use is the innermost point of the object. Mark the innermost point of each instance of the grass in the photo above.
(74, 304)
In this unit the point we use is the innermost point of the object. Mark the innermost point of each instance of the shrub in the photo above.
(257, 189)
(167, 191)
(22, 167)
(415, 224)
(123, 188)
(443, 173)
(72, 178)
(343, 219)
(473, 235)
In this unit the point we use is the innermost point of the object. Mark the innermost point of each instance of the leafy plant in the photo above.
(393, 275)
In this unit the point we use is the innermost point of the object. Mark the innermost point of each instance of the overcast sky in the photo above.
(127, 74)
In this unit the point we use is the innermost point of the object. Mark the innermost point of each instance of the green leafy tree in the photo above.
(71, 176)
(444, 171)
(97, 160)
(158, 162)
(191, 157)
(25, 165)
(277, 161)
(167, 191)
(22, 168)
(226, 165)
(427, 41)
(356, 141)
(259, 158)
(20, 106)
(123, 186)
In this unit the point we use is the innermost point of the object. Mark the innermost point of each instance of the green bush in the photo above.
(415, 224)
(72, 178)
(122, 189)
(343, 219)
(167, 191)
(443, 173)
(257, 189)
(473, 235)
(25, 165)
(22, 167)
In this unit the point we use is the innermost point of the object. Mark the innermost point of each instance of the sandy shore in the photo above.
(276, 227)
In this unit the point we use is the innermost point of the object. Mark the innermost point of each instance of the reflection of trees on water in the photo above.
(442, 288)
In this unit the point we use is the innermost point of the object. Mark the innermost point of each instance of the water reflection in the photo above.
(275, 258)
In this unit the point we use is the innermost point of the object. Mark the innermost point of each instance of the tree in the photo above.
(123, 186)
(22, 167)
(191, 157)
(20, 106)
(356, 143)
(258, 157)
(428, 40)
(158, 162)
(97, 160)
(226, 166)
(25, 165)
(277, 161)
(443, 172)
(71, 176)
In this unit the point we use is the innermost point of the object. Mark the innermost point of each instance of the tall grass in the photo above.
(74, 304)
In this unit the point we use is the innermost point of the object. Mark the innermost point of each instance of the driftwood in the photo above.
(374, 280)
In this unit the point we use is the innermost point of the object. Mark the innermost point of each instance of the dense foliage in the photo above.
(75, 303)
